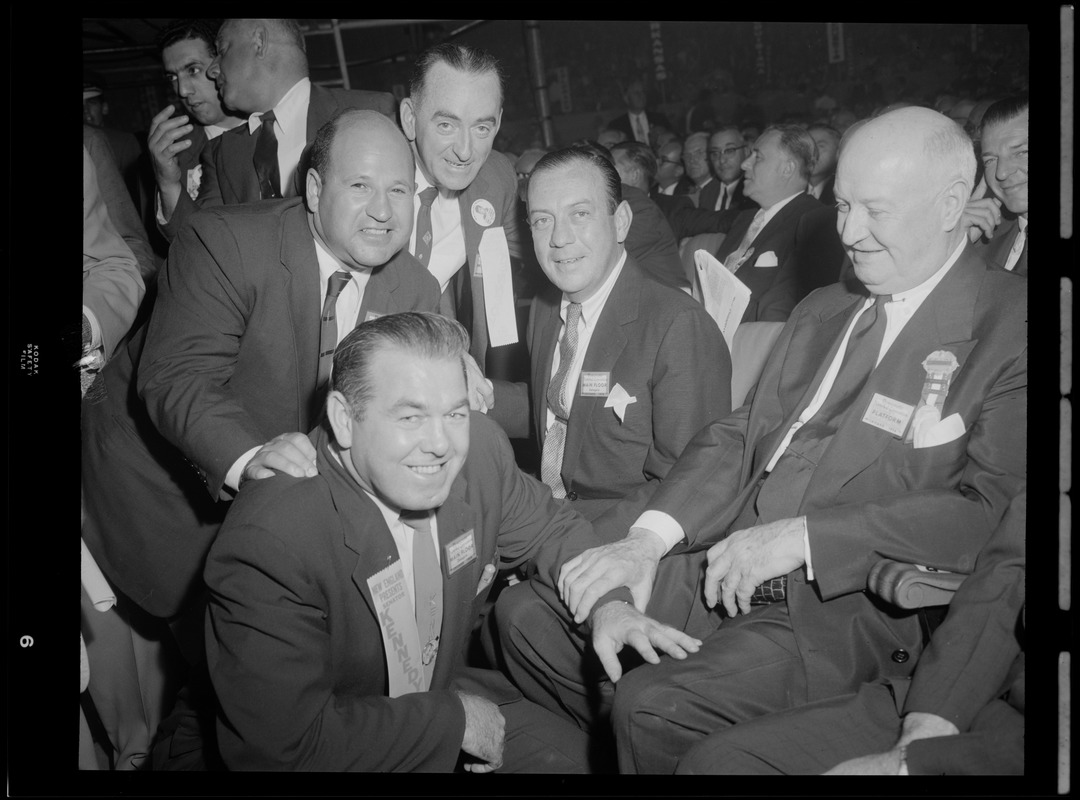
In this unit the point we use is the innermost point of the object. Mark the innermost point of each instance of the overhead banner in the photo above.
(657, 51)
(834, 33)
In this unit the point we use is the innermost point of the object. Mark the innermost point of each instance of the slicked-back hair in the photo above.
(180, 30)
(471, 60)
(587, 152)
(641, 155)
(421, 333)
(799, 144)
(1004, 110)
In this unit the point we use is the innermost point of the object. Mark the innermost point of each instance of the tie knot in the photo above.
(427, 196)
(573, 314)
(881, 299)
(267, 118)
(338, 281)
(419, 521)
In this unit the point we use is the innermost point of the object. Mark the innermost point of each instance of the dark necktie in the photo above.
(423, 226)
(427, 588)
(555, 442)
(328, 337)
(782, 491)
(266, 159)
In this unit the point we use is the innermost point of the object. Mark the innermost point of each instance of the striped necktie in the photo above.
(555, 441)
(328, 337)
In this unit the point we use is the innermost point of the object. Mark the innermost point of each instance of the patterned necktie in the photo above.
(742, 253)
(782, 492)
(427, 588)
(555, 442)
(266, 159)
(1017, 248)
(423, 226)
(328, 337)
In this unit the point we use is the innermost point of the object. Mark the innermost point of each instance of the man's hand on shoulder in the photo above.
(631, 562)
(485, 733)
(617, 624)
(481, 390)
(981, 217)
(291, 453)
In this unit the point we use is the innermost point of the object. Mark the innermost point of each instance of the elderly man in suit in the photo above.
(884, 424)
(961, 713)
(235, 354)
(727, 151)
(637, 123)
(261, 70)
(342, 603)
(466, 199)
(761, 244)
(651, 364)
(1005, 158)
(187, 48)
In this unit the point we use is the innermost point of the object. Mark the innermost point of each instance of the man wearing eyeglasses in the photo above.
(726, 152)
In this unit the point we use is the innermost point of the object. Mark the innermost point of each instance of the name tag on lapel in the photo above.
(595, 384)
(890, 415)
(460, 551)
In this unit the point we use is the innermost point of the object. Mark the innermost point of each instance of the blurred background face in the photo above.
(827, 147)
(726, 154)
(185, 63)
(635, 97)
(1005, 161)
(577, 239)
(669, 166)
(609, 138)
(695, 158)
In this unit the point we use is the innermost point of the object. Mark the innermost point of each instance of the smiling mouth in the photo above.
(458, 164)
(427, 469)
(375, 231)
(565, 261)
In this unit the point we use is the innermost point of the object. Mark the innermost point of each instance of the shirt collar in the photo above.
(289, 108)
(1022, 222)
(423, 183)
(591, 308)
(213, 131)
(328, 262)
(771, 211)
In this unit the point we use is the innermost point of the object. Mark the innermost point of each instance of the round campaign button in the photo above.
(483, 213)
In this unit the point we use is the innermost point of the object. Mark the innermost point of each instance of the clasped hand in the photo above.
(747, 558)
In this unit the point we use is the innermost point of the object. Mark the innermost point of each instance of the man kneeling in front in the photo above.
(341, 604)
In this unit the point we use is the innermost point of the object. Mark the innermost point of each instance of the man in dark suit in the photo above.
(229, 366)
(342, 604)
(650, 241)
(961, 713)
(884, 424)
(637, 122)
(176, 143)
(1005, 157)
(697, 175)
(451, 116)
(727, 151)
(827, 139)
(652, 365)
(761, 244)
(261, 70)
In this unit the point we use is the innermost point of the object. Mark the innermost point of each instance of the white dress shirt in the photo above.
(1018, 244)
(639, 123)
(403, 539)
(727, 192)
(590, 315)
(290, 127)
(898, 311)
(447, 235)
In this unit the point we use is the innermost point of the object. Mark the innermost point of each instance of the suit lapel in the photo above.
(454, 519)
(942, 322)
(606, 345)
(300, 277)
(379, 292)
(735, 235)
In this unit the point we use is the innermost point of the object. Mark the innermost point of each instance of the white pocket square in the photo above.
(947, 430)
(767, 259)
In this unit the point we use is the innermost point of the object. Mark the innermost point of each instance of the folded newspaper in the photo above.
(724, 295)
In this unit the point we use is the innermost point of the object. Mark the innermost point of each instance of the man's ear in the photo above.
(953, 201)
(623, 217)
(341, 419)
(260, 38)
(312, 190)
(408, 118)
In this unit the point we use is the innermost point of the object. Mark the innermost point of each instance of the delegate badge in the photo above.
(595, 384)
(483, 213)
(460, 552)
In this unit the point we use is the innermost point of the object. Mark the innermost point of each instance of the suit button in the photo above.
(571, 496)
(900, 656)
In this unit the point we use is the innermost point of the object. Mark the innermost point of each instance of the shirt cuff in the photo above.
(806, 549)
(158, 214)
(232, 477)
(95, 328)
(663, 525)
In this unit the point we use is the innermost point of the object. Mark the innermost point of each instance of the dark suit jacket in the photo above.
(662, 348)
(828, 197)
(228, 173)
(996, 251)
(230, 360)
(707, 198)
(622, 123)
(495, 184)
(651, 241)
(872, 495)
(687, 220)
(774, 290)
(293, 641)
